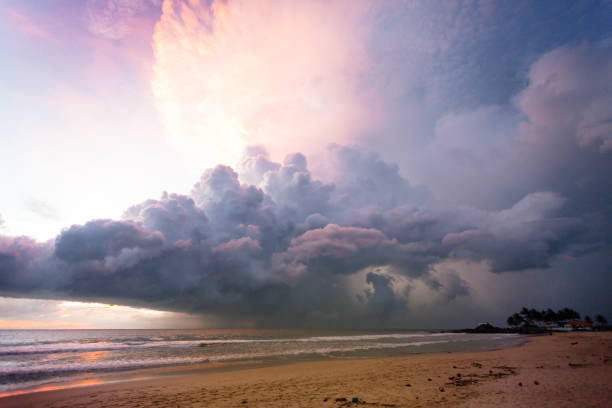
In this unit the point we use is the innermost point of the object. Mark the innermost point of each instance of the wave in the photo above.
(115, 365)
(81, 346)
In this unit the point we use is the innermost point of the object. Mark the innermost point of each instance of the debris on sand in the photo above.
(462, 382)
(506, 368)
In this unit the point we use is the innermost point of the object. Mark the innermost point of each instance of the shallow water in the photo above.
(30, 358)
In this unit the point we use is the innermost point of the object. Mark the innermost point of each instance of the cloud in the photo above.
(382, 299)
(238, 251)
(114, 19)
(230, 74)
(339, 249)
(174, 216)
(569, 95)
(492, 156)
(233, 74)
(104, 239)
(41, 208)
(503, 163)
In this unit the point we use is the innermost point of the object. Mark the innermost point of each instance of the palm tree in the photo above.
(525, 312)
(568, 314)
(601, 320)
(514, 320)
(588, 320)
(549, 315)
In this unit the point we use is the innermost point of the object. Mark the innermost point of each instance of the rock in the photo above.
(325, 399)
(573, 343)
(454, 366)
(340, 399)
(429, 379)
(441, 389)
(520, 384)
(477, 365)
(355, 399)
(536, 382)
(458, 374)
(244, 402)
(408, 385)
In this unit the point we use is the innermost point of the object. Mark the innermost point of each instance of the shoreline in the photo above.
(468, 343)
(580, 371)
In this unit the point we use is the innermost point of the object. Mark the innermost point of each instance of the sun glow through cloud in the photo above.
(282, 74)
(46, 314)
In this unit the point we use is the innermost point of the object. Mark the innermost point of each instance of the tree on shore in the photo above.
(528, 317)
(515, 320)
(601, 320)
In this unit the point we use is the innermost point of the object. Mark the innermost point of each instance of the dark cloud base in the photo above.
(280, 252)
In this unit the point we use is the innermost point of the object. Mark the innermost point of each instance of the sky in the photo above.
(226, 163)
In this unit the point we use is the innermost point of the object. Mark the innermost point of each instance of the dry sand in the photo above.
(563, 370)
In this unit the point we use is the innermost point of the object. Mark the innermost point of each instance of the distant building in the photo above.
(578, 325)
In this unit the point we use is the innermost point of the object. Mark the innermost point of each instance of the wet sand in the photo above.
(563, 370)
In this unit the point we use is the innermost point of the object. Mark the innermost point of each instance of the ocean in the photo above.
(31, 359)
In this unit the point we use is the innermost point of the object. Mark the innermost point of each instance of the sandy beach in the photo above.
(562, 370)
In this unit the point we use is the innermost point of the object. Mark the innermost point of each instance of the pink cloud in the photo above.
(283, 74)
(24, 24)
(244, 244)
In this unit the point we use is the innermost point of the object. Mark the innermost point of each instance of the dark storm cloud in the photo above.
(285, 248)
(382, 299)
(98, 240)
(273, 245)
(175, 216)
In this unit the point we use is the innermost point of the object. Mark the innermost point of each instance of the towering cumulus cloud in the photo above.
(285, 74)
(288, 246)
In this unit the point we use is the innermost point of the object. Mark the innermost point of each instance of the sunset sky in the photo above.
(192, 163)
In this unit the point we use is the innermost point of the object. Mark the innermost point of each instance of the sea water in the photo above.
(31, 358)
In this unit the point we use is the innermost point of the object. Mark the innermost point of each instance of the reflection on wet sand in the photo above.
(81, 383)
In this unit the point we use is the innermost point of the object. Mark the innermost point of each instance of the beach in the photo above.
(562, 370)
